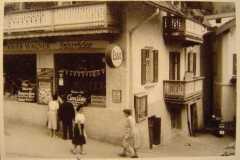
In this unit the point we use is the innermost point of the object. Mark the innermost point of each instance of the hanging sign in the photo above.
(114, 56)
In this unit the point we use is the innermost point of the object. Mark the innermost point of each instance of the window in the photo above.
(192, 63)
(140, 105)
(218, 20)
(174, 66)
(149, 66)
(234, 64)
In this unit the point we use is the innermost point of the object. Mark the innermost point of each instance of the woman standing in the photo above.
(53, 107)
(79, 135)
(129, 142)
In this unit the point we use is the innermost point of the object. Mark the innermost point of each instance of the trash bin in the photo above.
(154, 124)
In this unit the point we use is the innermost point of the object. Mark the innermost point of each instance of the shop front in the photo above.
(20, 77)
(73, 68)
(81, 78)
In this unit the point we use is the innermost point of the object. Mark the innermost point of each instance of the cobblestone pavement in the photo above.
(24, 140)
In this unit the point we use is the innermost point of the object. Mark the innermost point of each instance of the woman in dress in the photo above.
(79, 135)
(129, 142)
(53, 107)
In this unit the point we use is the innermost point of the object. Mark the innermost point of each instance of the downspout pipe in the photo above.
(131, 32)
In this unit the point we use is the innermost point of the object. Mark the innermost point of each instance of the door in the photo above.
(174, 66)
(193, 113)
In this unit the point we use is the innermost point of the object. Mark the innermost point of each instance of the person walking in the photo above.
(129, 142)
(79, 136)
(67, 117)
(53, 107)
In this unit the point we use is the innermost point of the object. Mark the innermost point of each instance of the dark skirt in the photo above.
(78, 138)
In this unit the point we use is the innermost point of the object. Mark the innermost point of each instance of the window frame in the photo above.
(141, 112)
(149, 65)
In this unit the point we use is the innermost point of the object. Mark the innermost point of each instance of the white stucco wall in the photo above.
(150, 35)
(225, 48)
(45, 60)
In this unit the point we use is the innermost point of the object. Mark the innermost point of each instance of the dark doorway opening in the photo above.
(18, 69)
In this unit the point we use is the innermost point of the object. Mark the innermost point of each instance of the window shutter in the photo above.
(194, 63)
(234, 64)
(155, 65)
(143, 65)
(178, 65)
(189, 61)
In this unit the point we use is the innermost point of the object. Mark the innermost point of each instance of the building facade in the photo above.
(110, 56)
(223, 57)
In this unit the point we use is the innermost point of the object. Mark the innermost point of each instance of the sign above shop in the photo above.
(36, 45)
(114, 56)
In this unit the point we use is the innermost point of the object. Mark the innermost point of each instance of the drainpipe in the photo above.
(131, 32)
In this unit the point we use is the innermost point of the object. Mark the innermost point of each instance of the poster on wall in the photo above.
(45, 73)
(44, 91)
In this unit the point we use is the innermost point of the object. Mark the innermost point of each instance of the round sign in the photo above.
(114, 56)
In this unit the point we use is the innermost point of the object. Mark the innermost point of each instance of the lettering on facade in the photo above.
(43, 45)
(75, 44)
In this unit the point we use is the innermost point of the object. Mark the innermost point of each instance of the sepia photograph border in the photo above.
(3, 155)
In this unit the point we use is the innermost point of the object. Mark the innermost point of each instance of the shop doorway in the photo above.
(81, 74)
(20, 74)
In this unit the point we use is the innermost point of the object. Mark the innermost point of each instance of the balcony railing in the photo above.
(176, 91)
(179, 28)
(61, 18)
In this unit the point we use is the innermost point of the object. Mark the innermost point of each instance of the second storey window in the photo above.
(192, 63)
(149, 65)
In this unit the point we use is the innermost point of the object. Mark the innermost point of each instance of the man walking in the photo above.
(67, 117)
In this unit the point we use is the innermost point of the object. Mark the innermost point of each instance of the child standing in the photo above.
(79, 136)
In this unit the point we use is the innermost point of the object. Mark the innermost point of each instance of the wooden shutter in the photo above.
(234, 64)
(178, 65)
(171, 62)
(194, 63)
(144, 53)
(189, 62)
(155, 65)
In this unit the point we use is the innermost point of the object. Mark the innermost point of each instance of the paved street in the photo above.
(33, 141)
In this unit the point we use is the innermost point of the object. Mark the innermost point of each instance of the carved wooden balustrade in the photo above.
(99, 15)
(176, 91)
(181, 30)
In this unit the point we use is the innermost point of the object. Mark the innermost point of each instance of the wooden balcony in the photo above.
(65, 18)
(181, 30)
(182, 92)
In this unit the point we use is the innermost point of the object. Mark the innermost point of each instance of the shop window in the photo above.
(82, 77)
(192, 63)
(140, 105)
(149, 66)
(234, 64)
